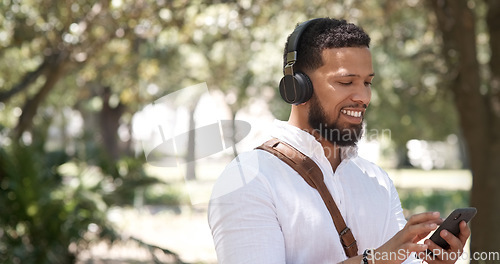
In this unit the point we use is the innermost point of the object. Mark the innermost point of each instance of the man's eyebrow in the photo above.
(354, 75)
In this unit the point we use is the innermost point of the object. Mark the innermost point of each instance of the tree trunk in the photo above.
(478, 119)
(487, 194)
(54, 73)
(109, 119)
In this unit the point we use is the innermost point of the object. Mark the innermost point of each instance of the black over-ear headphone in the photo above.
(295, 88)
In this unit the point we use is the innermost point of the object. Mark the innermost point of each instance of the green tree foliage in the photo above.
(406, 90)
(44, 220)
(101, 61)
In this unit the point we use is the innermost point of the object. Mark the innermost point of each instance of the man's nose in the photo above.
(362, 94)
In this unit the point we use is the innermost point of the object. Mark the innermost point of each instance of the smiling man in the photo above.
(264, 210)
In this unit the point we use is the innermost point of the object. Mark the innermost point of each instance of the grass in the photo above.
(434, 190)
(444, 201)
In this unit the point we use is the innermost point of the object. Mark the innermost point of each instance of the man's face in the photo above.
(342, 91)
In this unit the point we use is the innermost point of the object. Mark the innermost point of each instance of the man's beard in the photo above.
(347, 135)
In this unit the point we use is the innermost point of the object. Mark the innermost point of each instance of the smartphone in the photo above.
(451, 223)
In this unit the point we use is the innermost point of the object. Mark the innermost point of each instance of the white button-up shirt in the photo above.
(263, 211)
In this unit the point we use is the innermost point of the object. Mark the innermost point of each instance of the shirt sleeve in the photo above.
(243, 218)
(398, 222)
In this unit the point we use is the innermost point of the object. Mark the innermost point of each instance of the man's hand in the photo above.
(405, 242)
(399, 247)
(440, 255)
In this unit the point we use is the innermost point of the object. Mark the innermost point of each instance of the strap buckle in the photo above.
(343, 232)
(349, 239)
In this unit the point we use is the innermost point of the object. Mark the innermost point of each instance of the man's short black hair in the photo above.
(323, 34)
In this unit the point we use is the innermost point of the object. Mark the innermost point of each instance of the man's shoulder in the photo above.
(249, 172)
(255, 160)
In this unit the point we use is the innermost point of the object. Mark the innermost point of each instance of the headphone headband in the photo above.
(293, 42)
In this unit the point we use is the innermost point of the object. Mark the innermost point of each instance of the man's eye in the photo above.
(345, 83)
(368, 83)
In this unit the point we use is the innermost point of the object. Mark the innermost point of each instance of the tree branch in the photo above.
(29, 78)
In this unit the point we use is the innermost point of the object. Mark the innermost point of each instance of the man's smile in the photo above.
(353, 113)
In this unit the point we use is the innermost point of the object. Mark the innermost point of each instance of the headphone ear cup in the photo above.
(288, 89)
(296, 89)
(306, 87)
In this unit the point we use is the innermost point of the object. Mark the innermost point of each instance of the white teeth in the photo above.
(352, 113)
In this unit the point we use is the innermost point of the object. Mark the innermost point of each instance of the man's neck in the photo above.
(332, 151)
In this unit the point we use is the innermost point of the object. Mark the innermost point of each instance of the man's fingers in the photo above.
(414, 247)
(440, 254)
(424, 217)
(417, 232)
(435, 250)
(420, 225)
(464, 232)
(455, 242)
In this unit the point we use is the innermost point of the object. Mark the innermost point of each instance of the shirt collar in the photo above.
(305, 142)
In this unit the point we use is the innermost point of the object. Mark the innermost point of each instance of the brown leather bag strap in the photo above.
(312, 174)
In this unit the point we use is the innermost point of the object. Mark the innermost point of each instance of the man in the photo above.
(263, 211)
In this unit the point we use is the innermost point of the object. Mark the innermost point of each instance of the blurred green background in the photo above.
(75, 185)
